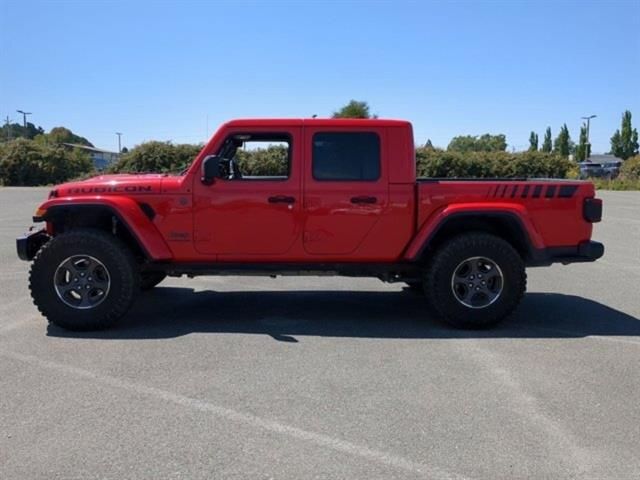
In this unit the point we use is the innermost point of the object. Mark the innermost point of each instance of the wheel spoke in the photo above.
(493, 273)
(461, 279)
(70, 266)
(64, 289)
(487, 292)
(92, 264)
(475, 267)
(468, 296)
(85, 301)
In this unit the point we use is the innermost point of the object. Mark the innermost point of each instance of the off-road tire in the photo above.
(445, 261)
(148, 280)
(116, 257)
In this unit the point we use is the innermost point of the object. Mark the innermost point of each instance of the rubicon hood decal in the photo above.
(114, 185)
(110, 189)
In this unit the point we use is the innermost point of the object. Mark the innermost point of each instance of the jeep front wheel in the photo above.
(84, 280)
(475, 280)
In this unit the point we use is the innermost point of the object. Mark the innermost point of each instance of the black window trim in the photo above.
(377, 134)
(264, 178)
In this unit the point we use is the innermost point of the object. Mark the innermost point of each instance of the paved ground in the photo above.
(304, 378)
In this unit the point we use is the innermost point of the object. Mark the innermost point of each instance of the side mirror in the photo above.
(210, 169)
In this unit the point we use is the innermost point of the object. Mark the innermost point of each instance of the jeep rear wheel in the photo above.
(475, 280)
(83, 280)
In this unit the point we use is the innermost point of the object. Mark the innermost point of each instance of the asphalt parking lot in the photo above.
(302, 377)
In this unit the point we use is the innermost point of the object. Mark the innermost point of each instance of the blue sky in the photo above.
(167, 70)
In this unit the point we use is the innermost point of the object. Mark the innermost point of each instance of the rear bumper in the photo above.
(591, 250)
(588, 251)
(28, 244)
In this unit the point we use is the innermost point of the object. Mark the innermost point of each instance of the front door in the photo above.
(255, 209)
(345, 188)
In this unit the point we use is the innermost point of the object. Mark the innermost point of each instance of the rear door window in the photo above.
(346, 156)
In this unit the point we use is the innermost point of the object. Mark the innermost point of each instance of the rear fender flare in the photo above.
(437, 221)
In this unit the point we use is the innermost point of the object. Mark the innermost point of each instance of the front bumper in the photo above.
(28, 244)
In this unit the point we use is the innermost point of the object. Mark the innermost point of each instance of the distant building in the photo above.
(101, 158)
(606, 158)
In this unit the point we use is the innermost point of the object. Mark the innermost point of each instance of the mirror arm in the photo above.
(207, 181)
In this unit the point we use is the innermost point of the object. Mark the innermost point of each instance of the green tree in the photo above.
(60, 135)
(11, 131)
(583, 150)
(354, 109)
(624, 142)
(547, 144)
(429, 145)
(482, 143)
(563, 145)
(533, 142)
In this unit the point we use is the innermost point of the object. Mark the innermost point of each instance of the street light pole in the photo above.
(119, 144)
(587, 154)
(24, 117)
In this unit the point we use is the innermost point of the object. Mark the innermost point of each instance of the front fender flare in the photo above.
(126, 210)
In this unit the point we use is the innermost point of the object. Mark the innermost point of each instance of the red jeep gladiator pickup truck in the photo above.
(305, 197)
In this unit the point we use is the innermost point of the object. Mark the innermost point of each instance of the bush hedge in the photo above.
(451, 164)
(630, 169)
(26, 163)
(263, 161)
(156, 156)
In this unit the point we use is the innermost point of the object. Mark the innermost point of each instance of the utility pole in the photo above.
(119, 144)
(587, 154)
(24, 117)
(7, 122)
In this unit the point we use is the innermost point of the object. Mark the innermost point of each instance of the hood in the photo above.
(130, 184)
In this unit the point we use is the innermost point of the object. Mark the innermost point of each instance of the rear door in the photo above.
(345, 187)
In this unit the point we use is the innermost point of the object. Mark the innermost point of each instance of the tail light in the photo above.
(592, 210)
